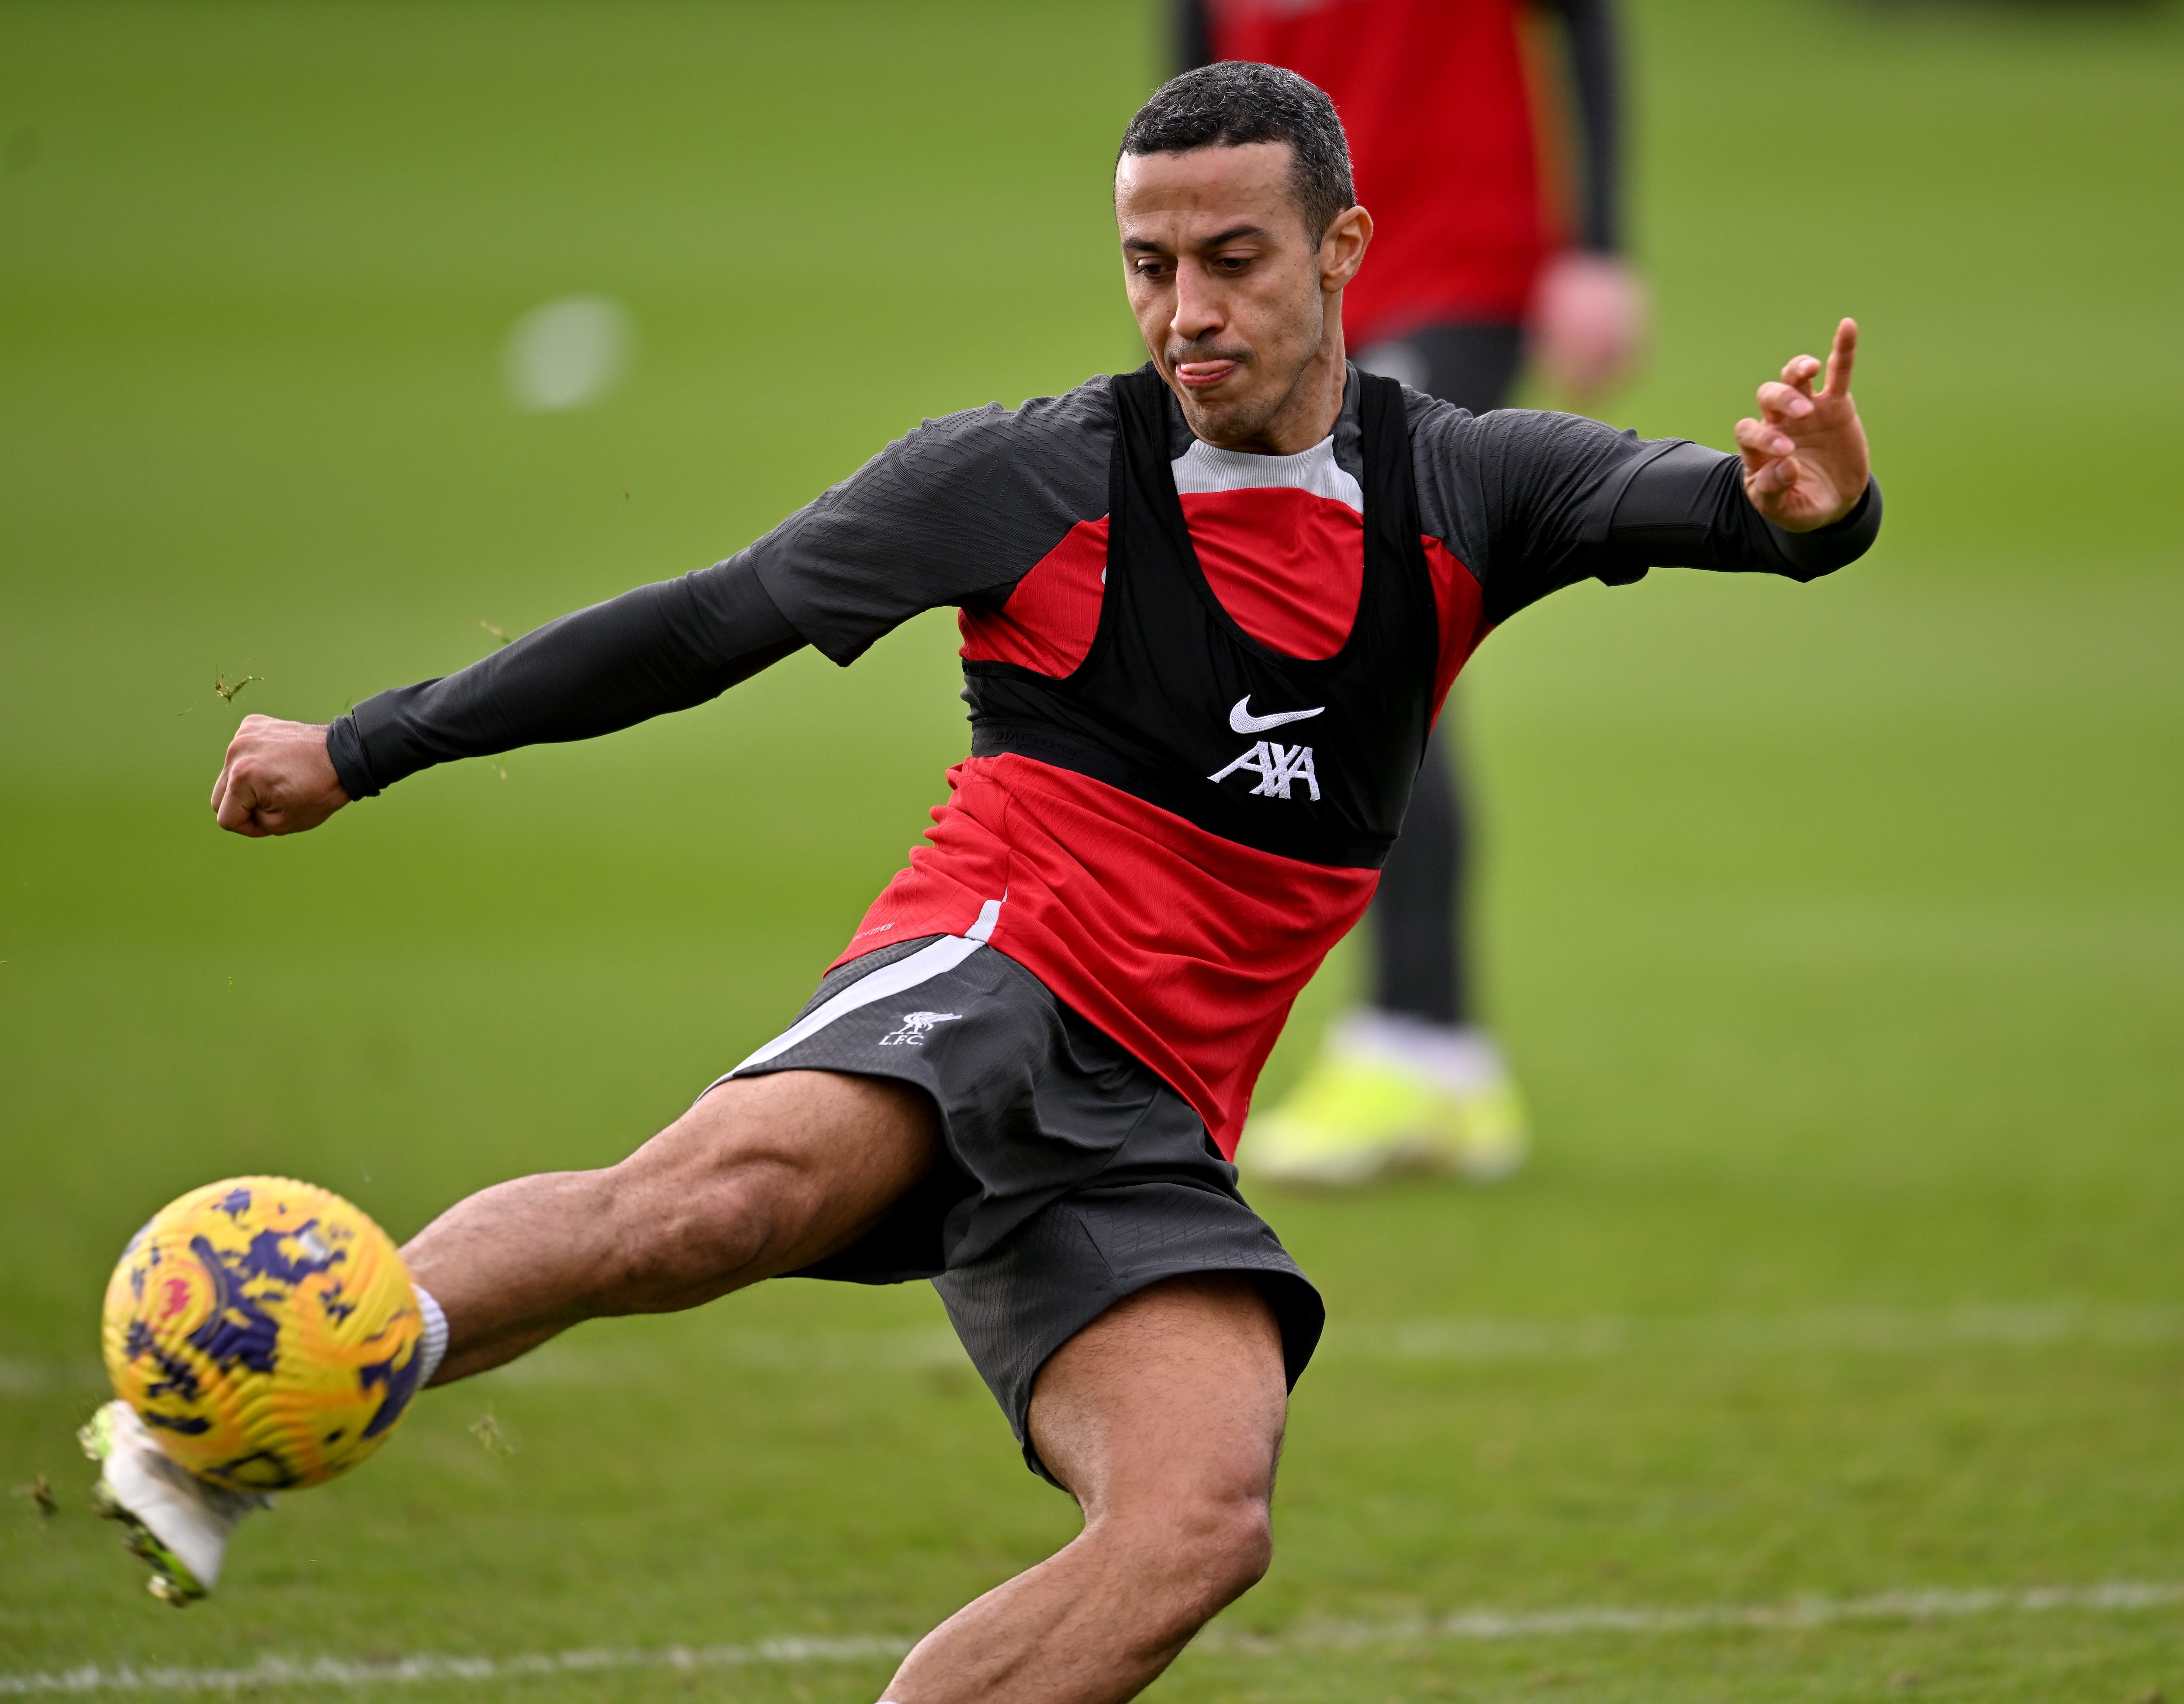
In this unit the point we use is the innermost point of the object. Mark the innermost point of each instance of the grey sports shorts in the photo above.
(1073, 1175)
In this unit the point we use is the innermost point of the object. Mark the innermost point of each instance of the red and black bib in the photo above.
(1176, 705)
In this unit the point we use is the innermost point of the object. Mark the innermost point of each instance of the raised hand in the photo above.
(1805, 461)
(277, 779)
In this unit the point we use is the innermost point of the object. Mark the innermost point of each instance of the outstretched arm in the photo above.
(1531, 501)
(954, 513)
(658, 649)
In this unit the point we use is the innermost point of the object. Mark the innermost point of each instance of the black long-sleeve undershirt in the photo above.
(660, 648)
(1686, 506)
(679, 642)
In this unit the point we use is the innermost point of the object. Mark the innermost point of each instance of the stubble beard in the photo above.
(1228, 422)
(1234, 419)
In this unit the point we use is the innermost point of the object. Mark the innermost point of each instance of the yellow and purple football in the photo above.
(266, 1331)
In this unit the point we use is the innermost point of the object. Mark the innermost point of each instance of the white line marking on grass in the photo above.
(409, 1671)
(29, 1379)
(1872, 1331)
(1868, 1330)
(1812, 1612)
(2116, 1595)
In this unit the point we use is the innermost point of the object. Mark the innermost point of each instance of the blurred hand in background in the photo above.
(1588, 322)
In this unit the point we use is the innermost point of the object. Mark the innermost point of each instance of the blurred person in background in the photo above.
(1473, 269)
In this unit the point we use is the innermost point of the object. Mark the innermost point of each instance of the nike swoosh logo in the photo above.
(1243, 721)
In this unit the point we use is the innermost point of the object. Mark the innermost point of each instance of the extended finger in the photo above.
(1841, 357)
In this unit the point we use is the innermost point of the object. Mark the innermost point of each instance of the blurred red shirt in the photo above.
(1435, 96)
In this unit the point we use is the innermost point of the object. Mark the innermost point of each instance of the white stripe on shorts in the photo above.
(927, 962)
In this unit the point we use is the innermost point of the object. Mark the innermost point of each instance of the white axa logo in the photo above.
(1278, 767)
(916, 1027)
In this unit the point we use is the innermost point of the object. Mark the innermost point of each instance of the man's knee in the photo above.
(1204, 1552)
(1228, 1547)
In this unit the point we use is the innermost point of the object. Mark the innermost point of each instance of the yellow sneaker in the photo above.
(1392, 1096)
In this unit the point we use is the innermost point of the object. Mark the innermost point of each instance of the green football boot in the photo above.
(1392, 1096)
(176, 1523)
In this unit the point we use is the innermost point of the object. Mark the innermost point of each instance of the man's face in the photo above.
(1239, 306)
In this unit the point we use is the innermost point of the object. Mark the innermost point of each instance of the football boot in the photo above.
(176, 1521)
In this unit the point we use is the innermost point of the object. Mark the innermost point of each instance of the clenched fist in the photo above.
(278, 778)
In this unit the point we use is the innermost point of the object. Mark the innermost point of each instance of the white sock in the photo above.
(433, 1347)
(1461, 1058)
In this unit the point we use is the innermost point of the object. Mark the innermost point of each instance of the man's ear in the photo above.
(1342, 250)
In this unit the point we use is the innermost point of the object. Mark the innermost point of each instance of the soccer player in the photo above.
(1469, 270)
(1209, 610)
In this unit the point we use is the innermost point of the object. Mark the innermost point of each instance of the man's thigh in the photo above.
(1175, 1396)
(799, 1163)
(757, 1180)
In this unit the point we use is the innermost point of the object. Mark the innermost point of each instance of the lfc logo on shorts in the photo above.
(916, 1027)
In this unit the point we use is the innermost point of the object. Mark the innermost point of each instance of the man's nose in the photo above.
(1198, 308)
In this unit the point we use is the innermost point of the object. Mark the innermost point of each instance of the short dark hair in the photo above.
(1237, 101)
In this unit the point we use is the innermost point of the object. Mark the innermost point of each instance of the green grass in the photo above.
(1837, 933)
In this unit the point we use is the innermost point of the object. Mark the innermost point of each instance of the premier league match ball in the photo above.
(265, 1332)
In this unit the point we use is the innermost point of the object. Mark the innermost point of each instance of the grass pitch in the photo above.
(1837, 933)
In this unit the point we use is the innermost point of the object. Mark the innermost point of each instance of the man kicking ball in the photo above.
(1210, 610)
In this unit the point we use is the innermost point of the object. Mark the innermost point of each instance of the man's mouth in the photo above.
(1199, 376)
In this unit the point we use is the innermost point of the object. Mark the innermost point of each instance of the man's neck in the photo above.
(1315, 405)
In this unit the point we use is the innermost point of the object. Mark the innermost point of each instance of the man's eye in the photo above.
(1150, 269)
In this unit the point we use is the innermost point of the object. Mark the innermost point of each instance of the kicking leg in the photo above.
(1164, 1418)
(763, 1176)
